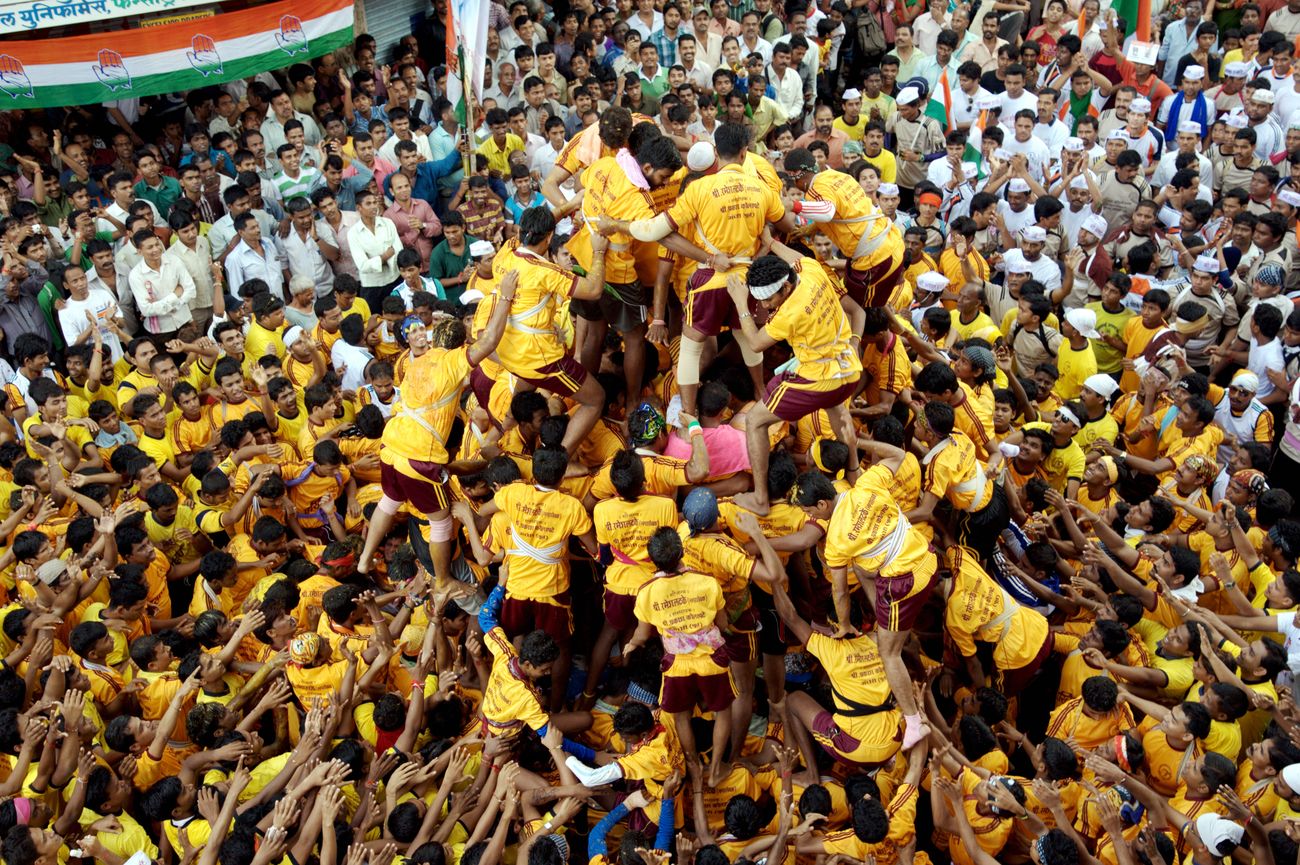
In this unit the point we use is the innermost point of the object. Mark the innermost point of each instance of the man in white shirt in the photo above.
(926, 29)
(1015, 210)
(1048, 128)
(162, 289)
(374, 245)
(1016, 98)
(1045, 270)
(543, 158)
(750, 41)
(192, 252)
(646, 19)
(788, 84)
(698, 72)
(1269, 138)
(87, 308)
(349, 354)
(306, 250)
(255, 257)
(1022, 141)
(1185, 141)
(282, 112)
(966, 99)
(403, 131)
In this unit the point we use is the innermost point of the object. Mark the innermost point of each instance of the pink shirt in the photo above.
(726, 446)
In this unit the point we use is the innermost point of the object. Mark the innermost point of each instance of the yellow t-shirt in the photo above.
(812, 321)
(543, 521)
(1075, 366)
(510, 700)
(608, 192)
(626, 528)
(730, 210)
(684, 605)
(857, 676)
(419, 428)
(952, 472)
(980, 609)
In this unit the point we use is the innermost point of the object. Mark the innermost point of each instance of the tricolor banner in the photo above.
(80, 70)
(467, 28)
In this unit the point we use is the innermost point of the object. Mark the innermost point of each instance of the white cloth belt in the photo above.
(866, 243)
(1002, 623)
(417, 414)
(546, 555)
(977, 485)
(708, 244)
(892, 544)
(843, 358)
(517, 320)
(613, 247)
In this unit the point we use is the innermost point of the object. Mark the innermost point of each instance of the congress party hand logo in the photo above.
(203, 55)
(111, 70)
(291, 38)
(13, 78)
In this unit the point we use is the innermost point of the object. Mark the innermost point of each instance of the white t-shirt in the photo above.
(1016, 221)
(1036, 153)
(1261, 359)
(99, 303)
(355, 359)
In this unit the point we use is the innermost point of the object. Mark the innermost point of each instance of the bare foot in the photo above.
(718, 770)
(807, 778)
(363, 564)
(751, 502)
(914, 731)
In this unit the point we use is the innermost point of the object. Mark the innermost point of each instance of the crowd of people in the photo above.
(843, 432)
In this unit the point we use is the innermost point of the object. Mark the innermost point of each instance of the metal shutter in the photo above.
(390, 20)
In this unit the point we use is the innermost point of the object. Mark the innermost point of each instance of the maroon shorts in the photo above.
(520, 616)
(709, 311)
(789, 398)
(876, 283)
(619, 611)
(895, 609)
(835, 741)
(428, 496)
(711, 693)
(482, 387)
(1014, 681)
(742, 646)
(564, 377)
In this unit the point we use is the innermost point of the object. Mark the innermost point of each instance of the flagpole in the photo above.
(468, 96)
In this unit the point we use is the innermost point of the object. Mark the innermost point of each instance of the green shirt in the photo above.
(445, 264)
(1109, 359)
(48, 296)
(163, 197)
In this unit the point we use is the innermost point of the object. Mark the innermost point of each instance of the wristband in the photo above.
(658, 321)
(417, 686)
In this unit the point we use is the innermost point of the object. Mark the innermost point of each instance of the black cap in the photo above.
(800, 159)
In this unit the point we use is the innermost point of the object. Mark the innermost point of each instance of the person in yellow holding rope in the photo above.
(841, 210)
(866, 531)
(730, 211)
(413, 456)
(824, 330)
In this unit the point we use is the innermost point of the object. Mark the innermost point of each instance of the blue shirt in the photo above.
(349, 187)
(361, 124)
(427, 175)
(516, 210)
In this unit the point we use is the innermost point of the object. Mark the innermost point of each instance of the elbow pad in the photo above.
(651, 230)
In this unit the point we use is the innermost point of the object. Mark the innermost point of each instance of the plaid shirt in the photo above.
(666, 45)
